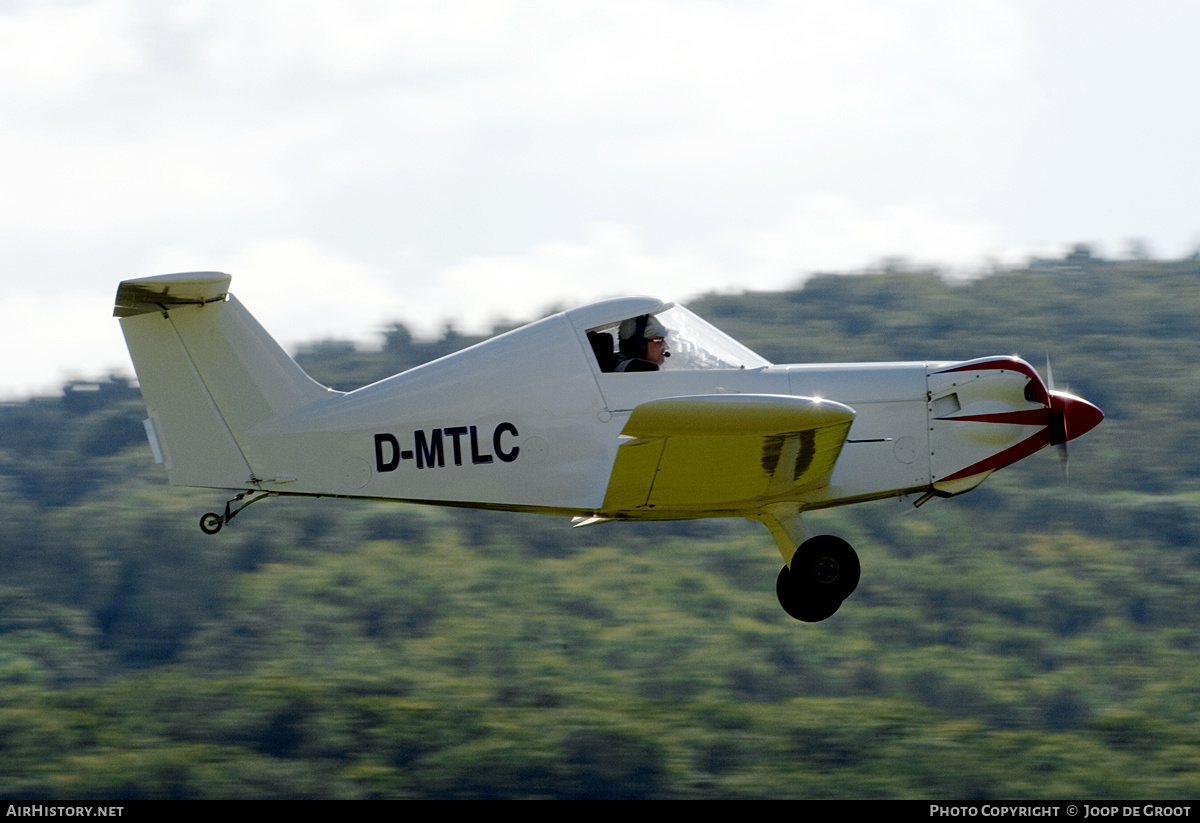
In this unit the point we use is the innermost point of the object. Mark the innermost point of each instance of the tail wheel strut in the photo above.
(211, 522)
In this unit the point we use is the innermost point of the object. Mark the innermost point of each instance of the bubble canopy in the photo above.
(694, 343)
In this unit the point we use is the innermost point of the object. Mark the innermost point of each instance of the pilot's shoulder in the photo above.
(626, 364)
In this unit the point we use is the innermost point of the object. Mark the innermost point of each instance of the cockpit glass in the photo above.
(695, 344)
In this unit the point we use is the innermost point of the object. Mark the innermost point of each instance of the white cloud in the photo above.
(147, 113)
(95, 188)
(49, 337)
(823, 234)
(302, 291)
(832, 233)
(50, 51)
(609, 261)
(470, 159)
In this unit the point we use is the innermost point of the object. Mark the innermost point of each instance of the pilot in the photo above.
(643, 344)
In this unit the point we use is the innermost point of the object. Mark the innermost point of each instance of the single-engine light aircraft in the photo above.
(582, 414)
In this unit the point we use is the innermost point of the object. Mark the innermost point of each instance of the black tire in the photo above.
(826, 566)
(211, 522)
(801, 602)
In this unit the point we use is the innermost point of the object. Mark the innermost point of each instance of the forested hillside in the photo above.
(1036, 638)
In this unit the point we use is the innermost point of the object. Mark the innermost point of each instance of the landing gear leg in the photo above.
(824, 571)
(211, 522)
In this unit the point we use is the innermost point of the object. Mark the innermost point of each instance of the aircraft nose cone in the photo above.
(1071, 417)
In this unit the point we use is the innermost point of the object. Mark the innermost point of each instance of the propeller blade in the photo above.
(1070, 417)
(1064, 456)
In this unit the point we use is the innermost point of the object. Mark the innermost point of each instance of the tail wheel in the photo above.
(211, 523)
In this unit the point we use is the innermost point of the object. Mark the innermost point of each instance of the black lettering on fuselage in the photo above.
(427, 453)
(509, 456)
(476, 457)
(382, 465)
(456, 432)
(430, 449)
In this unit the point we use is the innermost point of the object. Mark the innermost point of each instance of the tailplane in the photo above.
(209, 373)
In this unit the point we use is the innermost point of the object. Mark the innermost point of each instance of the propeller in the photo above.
(1070, 417)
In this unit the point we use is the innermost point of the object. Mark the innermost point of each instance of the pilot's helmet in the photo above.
(651, 327)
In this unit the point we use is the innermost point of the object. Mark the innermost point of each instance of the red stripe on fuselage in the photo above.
(1025, 417)
(999, 460)
(1010, 363)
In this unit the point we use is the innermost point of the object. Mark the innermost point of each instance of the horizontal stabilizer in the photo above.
(151, 294)
(728, 449)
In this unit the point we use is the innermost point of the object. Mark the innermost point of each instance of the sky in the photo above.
(355, 164)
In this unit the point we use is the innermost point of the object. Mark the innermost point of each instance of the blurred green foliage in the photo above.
(1033, 639)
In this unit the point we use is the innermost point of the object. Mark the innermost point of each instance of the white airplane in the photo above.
(552, 418)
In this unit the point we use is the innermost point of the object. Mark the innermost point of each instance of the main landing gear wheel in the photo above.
(824, 572)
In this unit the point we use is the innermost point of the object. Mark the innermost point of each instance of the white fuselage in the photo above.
(537, 428)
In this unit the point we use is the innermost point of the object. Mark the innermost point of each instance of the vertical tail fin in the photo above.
(209, 373)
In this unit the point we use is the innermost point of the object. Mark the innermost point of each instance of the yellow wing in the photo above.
(725, 451)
